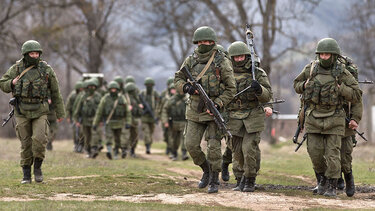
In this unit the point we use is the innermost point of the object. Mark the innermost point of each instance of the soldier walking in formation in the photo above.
(77, 135)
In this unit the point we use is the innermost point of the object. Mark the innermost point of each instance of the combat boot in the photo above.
(38, 170)
(132, 152)
(350, 187)
(109, 152)
(115, 153)
(123, 152)
(26, 175)
(224, 171)
(323, 184)
(167, 151)
(79, 148)
(340, 183)
(315, 190)
(175, 156)
(214, 182)
(49, 146)
(184, 155)
(249, 184)
(206, 175)
(237, 187)
(332, 185)
(94, 152)
(148, 149)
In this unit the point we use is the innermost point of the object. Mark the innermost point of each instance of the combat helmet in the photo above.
(129, 79)
(328, 45)
(119, 80)
(78, 85)
(204, 33)
(171, 86)
(113, 85)
(149, 81)
(130, 87)
(90, 82)
(170, 80)
(238, 48)
(31, 46)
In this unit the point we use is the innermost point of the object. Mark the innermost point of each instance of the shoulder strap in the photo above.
(313, 64)
(113, 110)
(25, 71)
(206, 67)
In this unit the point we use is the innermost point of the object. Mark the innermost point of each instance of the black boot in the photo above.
(184, 155)
(240, 183)
(38, 170)
(332, 185)
(132, 152)
(123, 152)
(315, 190)
(340, 183)
(148, 149)
(26, 175)
(174, 156)
(167, 151)
(115, 152)
(206, 175)
(94, 152)
(214, 182)
(249, 184)
(109, 152)
(323, 184)
(350, 187)
(49, 146)
(224, 171)
(79, 148)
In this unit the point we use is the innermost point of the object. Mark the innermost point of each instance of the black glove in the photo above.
(256, 87)
(94, 127)
(127, 126)
(188, 88)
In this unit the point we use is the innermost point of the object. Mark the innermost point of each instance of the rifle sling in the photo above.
(206, 67)
(113, 110)
(25, 71)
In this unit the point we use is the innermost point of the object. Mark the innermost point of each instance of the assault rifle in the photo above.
(219, 120)
(250, 45)
(147, 108)
(271, 103)
(366, 82)
(300, 144)
(12, 102)
(301, 123)
(359, 133)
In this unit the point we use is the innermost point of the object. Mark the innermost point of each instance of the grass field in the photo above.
(153, 182)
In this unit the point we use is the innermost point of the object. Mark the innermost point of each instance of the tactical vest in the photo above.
(177, 108)
(322, 89)
(136, 111)
(150, 99)
(120, 110)
(211, 81)
(32, 88)
(90, 104)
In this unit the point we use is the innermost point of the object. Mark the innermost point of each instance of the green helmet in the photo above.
(129, 79)
(170, 80)
(204, 33)
(171, 86)
(328, 45)
(113, 85)
(31, 46)
(90, 82)
(130, 87)
(238, 48)
(96, 81)
(149, 81)
(119, 80)
(78, 85)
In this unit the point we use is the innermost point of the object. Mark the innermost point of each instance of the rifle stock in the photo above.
(147, 108)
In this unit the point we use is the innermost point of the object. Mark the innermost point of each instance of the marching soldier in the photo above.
(78, 88)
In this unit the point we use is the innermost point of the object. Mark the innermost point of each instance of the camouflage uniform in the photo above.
(246, 116)
(77, 133)
(32, 92)
(219, 84)
(326, 85)
(148, 123)
(115, 117)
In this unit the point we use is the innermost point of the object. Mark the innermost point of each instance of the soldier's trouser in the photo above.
(194, 134)
(125, 135)
(148, 130)
(52, 131)
(165, 135)
(324, 152)
(89, 140)
(33, 136)
(97, 136)
(113, 135)
(227, 156)
(346, 154)
(176, 136)
(75, 135)
(133, 135)
(246, 154)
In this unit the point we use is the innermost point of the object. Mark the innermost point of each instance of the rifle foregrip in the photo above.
(295, 137)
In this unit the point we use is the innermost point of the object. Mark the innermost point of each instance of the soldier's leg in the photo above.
(133, 138)
(166, 136)
(146, 136)
(315, 148)
(250, 149)
(227, 159)
(238, 161)
(173, 141)
(51, 134)
(214, 155)
(75, 138)
(109, 137)
(117, 137)
(332, 155)
(86, 130)
(81, 139)
(346, 164)
(23, 132)
(39, 138)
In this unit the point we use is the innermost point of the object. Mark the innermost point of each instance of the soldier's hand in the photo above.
(353, 124)
(78, 124)
(141, 106)
(68, 120)
(256, 87)
(188, 88)
(61, 119)
(15, 80)
(166, 125)
(268, 111)
(49, 101)
(130, 107)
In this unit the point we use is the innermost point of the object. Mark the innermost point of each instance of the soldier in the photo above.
(213, 70)
(164, 97)
(114, 110)
(152, 98)
(84, 115)
(246, 116)
(98, 134)
(326, 85)
(136, 110)
(31, 80)
(69, 109)
(173, 118)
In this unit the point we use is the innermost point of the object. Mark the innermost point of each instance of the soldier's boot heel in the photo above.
(249, 184)
(214, 182)
(132, 152)
(38, 170)
(109, 152)
(331, 191)
(206, 175)
(26, 175)
(124, 152)
(175, 156)
(225, 171)
(94, 152)
(315, 190)
(238, 185)
(350, 187)
(148, 151)
(184, 155)
(340, 183)
(323, 184)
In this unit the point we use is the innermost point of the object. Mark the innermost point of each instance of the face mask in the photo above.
(113, 94)
(91, 91)
(149, 89)
(327, 63)
(205, 48)
(31, 61)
